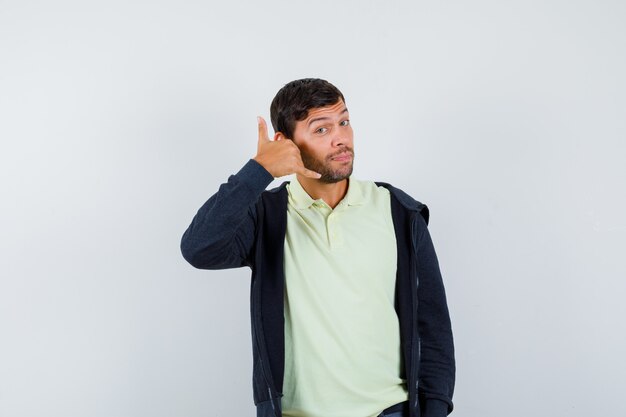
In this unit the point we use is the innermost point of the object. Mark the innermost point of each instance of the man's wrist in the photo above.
(255, 175)
(262, 163)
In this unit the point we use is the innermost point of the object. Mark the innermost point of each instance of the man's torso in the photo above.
(342, 340)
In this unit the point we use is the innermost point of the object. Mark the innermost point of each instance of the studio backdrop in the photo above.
(118, 119)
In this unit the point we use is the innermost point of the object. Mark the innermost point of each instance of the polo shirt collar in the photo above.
(302, 200)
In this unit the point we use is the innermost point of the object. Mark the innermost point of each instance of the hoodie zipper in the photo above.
(260, 346)
(413, 378)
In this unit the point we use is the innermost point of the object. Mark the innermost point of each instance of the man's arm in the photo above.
(437, 364)
(222, 232)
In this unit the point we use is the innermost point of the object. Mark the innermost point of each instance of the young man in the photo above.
(348, 308)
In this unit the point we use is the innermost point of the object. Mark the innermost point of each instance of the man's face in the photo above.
(325, 142)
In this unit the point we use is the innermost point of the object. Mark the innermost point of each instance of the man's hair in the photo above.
(293, 102)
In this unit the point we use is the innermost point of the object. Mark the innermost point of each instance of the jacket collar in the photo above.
(406, 200)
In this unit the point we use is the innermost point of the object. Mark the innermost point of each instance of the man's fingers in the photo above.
(263, 136)
(308, 173)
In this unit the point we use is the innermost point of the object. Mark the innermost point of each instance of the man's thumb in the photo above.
(263, 136)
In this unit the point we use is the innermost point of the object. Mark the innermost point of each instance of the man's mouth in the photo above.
(344, 156)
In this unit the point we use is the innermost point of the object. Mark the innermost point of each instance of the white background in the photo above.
(118, 119)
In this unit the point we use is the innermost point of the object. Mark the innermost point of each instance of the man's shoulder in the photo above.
(275, 195)
(406, 200)
(279, 188)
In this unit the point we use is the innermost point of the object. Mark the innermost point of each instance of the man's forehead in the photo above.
(339, 107)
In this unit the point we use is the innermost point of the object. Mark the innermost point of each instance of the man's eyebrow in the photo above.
(317, 119)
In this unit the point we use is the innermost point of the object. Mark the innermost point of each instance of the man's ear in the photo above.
(280, 136)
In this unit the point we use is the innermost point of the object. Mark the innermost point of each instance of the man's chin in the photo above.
(331, 178)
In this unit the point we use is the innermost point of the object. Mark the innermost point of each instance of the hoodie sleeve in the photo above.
(437, 364)
(221, 233)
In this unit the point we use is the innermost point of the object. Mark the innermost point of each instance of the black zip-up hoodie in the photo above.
(245, 225)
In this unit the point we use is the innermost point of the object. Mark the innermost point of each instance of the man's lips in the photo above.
(345, 156)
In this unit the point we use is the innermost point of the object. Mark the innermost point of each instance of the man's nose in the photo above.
(340, 138)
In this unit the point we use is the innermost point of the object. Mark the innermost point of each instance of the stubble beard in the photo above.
(328, 174)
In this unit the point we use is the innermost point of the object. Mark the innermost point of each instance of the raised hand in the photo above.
(281, 156)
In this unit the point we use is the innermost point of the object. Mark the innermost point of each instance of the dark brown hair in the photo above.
(293, 102)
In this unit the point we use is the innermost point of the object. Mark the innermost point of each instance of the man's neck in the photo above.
(331, 193)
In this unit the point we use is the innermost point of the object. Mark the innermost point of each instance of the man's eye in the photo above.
(321, 130)
(345, 123)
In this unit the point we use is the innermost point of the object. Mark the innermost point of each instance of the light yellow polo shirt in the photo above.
(342, 335)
